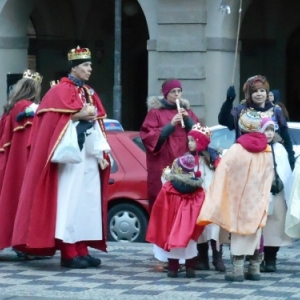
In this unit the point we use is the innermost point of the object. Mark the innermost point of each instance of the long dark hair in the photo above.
(25, 89)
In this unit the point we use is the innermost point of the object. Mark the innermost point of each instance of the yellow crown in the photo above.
(204, 130)
(53, 83)
(79, 53)
(33, 75)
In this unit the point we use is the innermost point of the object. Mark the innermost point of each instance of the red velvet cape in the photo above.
(174, 146)
(173, 218)
(14, 140)
(3, 155)
(34, 231)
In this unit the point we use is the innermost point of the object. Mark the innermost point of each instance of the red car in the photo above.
(128, 209)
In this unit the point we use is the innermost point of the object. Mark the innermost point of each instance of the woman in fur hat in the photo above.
(172, 226)
(163, 134)
(207, 160)
(256, 91)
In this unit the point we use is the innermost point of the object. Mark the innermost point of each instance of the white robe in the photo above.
(79, 215)
(292, 223)
(274, 231)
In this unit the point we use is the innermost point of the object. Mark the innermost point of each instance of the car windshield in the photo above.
(295, 136)
(138, 141)
(222, 138)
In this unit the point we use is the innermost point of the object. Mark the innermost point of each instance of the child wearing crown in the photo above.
(14, 152)
(172, 226)
(207, 160)
(238, 198)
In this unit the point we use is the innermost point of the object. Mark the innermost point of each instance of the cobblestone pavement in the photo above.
(129, 271)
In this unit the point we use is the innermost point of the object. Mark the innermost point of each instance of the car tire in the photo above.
(127, 223)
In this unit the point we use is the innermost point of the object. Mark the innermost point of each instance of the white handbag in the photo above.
(95, 142)
(67, 151)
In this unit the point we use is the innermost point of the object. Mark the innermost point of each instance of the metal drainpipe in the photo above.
(117, 89)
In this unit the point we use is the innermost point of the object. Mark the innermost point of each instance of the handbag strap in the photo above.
(275, 165)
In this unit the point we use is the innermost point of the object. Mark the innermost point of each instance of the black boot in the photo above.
(270, 255)
(190, 265)
(202, 261)
(218, 259)
(173, 267)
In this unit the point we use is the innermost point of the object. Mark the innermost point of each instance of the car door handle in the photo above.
(111, 181)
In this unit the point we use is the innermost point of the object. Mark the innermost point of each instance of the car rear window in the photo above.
(222, 138)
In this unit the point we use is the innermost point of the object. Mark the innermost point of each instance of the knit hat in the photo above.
(266, 121)
(170, 85)
(250, 121)
(184, 164)
(182, 175)
(201, 135)
(253, 84)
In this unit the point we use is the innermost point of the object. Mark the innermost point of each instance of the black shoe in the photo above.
(202, 265)
(262, 267)
(180, 269)
(74, 263)
(172, 274)
(270, 266)
(92, 261)
(190, 273)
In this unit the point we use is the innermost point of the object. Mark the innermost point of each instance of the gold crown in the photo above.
(53, 83)
(204, 130)
(79, 53)
(33, 75)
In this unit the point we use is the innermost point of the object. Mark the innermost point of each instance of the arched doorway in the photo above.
(293, 76)
(62, 25)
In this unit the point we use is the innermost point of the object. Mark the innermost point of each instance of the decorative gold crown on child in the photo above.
(204, 130)
(79, 53)
(33, 75)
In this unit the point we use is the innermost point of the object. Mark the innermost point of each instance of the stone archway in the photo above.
(91, 24)
(58, 26)
(14, 16)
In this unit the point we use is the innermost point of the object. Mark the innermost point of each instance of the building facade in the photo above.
(191, 40)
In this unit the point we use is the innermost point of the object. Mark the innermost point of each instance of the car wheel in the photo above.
(126, 223)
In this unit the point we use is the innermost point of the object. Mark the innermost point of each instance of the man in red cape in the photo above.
(41, 217)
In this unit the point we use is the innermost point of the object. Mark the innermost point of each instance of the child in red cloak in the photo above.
(172, 227)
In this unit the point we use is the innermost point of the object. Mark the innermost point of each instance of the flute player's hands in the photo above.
(184, 112)
(176, 119)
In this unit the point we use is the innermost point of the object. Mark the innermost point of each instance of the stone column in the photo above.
(14, 18)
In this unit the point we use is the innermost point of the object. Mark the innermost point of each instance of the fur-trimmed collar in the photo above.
(186, 179)
(155, 102)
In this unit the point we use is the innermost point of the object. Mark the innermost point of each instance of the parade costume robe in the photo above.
(35, 225)
(14, 158)
(174, 146)
(273, 232)
(238, 198)
(292, 222)
(211, 231)
(3, 155)
(172, 225)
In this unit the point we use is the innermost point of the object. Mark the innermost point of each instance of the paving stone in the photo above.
(129, 271)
